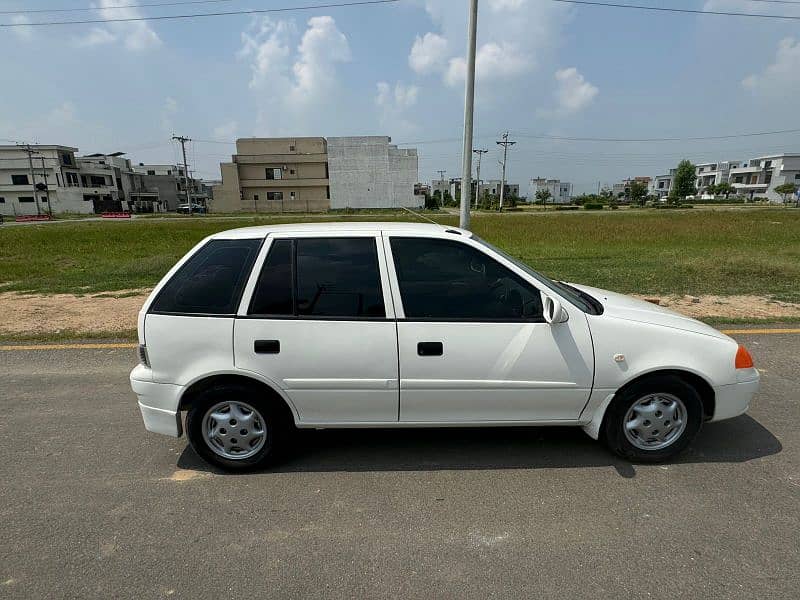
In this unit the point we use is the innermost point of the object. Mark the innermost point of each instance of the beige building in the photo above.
(275, 175)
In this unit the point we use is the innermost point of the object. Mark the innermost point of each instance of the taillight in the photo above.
(743, 359)
(143, 355)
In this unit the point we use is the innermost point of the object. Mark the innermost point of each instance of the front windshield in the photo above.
(573, 295)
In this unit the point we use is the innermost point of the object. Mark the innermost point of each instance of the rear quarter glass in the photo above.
(211, 281)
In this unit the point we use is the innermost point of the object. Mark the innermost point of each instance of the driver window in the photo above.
(443, 279)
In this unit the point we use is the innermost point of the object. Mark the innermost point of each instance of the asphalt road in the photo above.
(95, 507)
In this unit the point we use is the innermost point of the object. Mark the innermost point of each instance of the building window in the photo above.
(291, 148)
(273, 173)
(2, 200)
(797, 176)
(98, 181)
(151, 172)
(22, 199)
(326, 171)
(767, 164)
(255, 197)
(328, 192)
(274, 195)
(291, 171)
(661, 185)
(66, 158)
(291, 195)
(19, 180)
(737, 179)
(43, 198)
(169, 172)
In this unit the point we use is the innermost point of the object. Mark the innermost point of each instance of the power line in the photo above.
(30, 11)
(198, 15)
(682, 10)
(602, 139)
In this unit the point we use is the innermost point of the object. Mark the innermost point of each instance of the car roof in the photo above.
(337, 227)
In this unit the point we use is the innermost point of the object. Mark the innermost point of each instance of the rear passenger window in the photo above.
(320, 277)
(273, 295)
(211, 281)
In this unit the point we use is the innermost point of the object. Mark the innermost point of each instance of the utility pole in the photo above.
(480, 153)
(46, 189)
(505, 144)
(183, 140)
(33, 179)
(469, 111)
(441, 178)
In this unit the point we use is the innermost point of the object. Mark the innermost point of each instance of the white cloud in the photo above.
(169, 109)
(782, 76)
(492, 62)
(23, 32)
(267, 45)
(513, 36)
(323, 46)
(226, 131)
(573, 93)
(96, 37)
(394, 104)
(428, 54)
(136, 35)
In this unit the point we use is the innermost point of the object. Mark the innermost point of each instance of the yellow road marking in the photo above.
(112, 346)
(759, 331)
(64, 347)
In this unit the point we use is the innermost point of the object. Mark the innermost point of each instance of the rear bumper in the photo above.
(734, 399)
(158, 403)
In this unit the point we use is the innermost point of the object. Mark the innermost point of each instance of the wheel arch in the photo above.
(704, 389)
(271, 391)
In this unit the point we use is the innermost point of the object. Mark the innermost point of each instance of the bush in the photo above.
(566, 207)
(593, 206)
(667, 206)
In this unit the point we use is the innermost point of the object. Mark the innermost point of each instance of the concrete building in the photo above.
(171, 182)
(760, 176)
(662, 184)
(713, 173)
(493, 186)
(560, 191)
(275, 175)
(371, 172)
(440, 185)
(133, 194)
(58, 182)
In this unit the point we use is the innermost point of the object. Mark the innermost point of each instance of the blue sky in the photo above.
(543, 68)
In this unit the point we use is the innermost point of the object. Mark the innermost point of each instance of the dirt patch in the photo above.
(732, 307)
(34, 314)
(115, 312)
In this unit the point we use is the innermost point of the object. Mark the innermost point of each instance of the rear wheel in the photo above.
(234, 428)
(654, 419)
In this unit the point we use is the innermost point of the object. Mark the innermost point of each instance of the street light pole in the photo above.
(469, 110)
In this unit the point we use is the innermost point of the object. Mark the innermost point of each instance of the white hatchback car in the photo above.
(261, 329)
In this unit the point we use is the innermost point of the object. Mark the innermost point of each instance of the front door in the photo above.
(473, 344)
(320, 326)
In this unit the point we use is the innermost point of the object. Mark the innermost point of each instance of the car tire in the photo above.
(653, 419)
(234, 444)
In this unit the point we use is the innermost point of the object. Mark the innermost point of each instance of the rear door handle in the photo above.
(267, 346)
(430, 348)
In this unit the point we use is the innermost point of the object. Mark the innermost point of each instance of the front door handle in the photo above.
(267, 346)
(430, 348)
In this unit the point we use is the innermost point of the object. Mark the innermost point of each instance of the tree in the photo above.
(437, 197)
(637, 192)
(711, 188)
(542, 196)
(431, 202)
(606, 195)
(786, 190)
(448, 198)
(724, 189)
(683, 181)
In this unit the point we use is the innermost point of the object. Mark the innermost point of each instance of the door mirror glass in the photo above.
(553, 311)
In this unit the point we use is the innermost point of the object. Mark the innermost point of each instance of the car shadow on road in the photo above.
(735, 440)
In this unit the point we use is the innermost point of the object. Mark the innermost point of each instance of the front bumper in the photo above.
(158, 403)
(734, 399)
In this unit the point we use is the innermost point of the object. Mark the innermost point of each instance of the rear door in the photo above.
(472, 341)
(318, 322)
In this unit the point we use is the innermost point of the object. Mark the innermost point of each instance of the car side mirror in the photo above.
(553, 311)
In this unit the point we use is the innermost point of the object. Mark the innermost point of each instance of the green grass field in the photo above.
(745, 251)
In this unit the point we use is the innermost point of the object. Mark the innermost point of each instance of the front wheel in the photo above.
(653, 419)
(233, 428)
